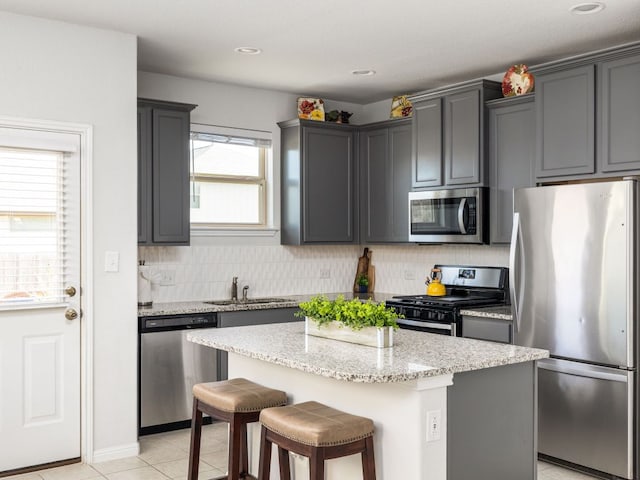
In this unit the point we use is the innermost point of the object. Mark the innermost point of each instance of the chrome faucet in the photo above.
(234, 289)
(245, 290)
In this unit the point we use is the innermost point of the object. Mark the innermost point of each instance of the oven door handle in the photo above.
(461, 207)
(414, 323)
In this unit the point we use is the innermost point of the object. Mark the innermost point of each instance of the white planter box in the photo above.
(371, 336)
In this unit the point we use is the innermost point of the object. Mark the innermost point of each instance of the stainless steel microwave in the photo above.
(448, 216)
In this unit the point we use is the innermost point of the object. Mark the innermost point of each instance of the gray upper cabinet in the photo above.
(565, 114)
(511, 159)
(462, 145)
(449, 138)
(588, 116)
(319, 184)
(163, 172)
(619, 115)
(385, 181)
(427, 143)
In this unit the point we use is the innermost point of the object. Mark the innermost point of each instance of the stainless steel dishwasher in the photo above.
(169, 366)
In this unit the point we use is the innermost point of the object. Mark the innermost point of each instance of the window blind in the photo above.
(32, 226)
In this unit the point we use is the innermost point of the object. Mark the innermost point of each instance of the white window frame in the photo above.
(265, 227)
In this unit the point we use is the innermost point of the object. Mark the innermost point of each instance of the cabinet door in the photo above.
(170, 176)
(511, 160)
(400, 159)
(462, 138)
(491, 329)
(427, 144)
(619, 127)
(565, 104)
(144, 175)
(376, 185)
(328, 169)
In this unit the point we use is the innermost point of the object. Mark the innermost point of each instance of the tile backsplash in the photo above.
(205, 272)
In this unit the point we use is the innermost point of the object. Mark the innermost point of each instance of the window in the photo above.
(228, 177)
(32, 226)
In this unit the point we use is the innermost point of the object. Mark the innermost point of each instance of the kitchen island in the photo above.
(443, 407)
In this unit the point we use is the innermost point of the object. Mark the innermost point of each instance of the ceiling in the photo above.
(311, 48)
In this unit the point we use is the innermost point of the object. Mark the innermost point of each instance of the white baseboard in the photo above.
(115, 453)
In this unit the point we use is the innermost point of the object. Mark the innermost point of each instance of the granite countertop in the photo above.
(289, 301)
(502, 312)
(414, 354)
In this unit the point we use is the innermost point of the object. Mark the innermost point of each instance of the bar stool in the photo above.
(315, 431)
(238, 402)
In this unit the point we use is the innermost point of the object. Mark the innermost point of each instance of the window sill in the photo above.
(232, 232)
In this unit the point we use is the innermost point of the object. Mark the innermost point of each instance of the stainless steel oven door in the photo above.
(447, 216)
(429, 327)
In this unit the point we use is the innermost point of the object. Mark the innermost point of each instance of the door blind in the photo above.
(32, 227)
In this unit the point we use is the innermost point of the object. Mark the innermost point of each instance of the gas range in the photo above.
(466, 287)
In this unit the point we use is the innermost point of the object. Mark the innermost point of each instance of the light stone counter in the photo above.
(289, 301)
(414, 354)
(499, 313)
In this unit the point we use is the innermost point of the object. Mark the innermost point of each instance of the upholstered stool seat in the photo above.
(237, 401)
(318, 432)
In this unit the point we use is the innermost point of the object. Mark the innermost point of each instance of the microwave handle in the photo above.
(461, 225)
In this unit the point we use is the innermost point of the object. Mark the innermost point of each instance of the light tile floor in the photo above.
(165, 456)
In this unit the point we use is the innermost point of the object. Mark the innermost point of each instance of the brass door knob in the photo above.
(71, 291)
(70, 314)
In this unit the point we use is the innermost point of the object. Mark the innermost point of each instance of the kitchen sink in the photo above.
(248, 301)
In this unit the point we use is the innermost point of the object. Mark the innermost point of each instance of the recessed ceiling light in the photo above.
(587, 8)
(363, 73)
(248, 50)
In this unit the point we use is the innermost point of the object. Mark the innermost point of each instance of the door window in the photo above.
(32, 227)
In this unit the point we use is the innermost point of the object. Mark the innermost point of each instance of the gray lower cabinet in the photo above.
(163, 172)
(385, 181)
(619, 114)
(318, 183)
(511, 159)
(501, 404)
(449, 136)
(565, 114)
(485, 328)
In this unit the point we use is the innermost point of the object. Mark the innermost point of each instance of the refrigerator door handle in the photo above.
(516, 241)
(461, 225)
(581, 370)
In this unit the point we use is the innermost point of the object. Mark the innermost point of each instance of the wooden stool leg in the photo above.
(235, 437)
(264, 470)
(368, 460)
(194, 449)
(283, 460)
(316, 464)
(244, 451)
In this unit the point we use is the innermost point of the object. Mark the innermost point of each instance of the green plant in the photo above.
(354, 314)
(363, 280)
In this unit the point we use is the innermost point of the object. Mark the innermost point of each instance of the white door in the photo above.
(39, 262)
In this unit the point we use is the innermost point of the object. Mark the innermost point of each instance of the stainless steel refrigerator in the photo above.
(574, 288)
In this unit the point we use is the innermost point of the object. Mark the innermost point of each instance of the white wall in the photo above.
(58, 71)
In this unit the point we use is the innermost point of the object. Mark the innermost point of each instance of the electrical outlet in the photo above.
(434, 425)
(325, 273)
(167, 277)
(409, 275)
